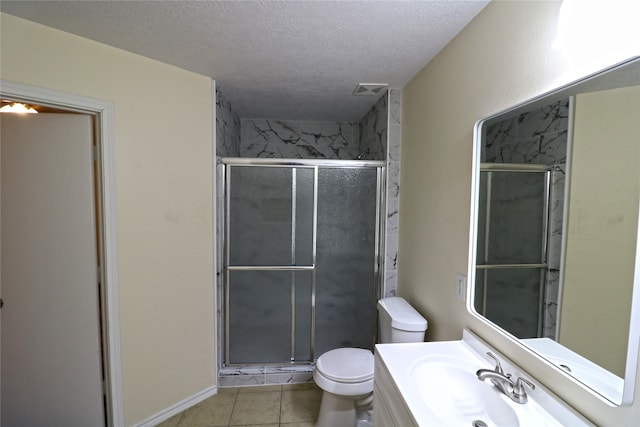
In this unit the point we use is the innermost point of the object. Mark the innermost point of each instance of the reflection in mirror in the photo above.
(521, 186)
(556, 224)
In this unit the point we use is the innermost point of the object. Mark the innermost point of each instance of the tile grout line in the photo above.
(280, 411)
(235, 401)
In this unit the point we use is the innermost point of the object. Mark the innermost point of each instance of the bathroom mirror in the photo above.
(554, 263)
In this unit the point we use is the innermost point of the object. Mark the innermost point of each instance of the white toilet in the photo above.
(346, 374)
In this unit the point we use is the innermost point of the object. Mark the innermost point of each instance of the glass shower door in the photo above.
(302, 260)
(347, 258)
(511, 248)
(269, 263)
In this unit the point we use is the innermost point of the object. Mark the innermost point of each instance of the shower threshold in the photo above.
(236, 376)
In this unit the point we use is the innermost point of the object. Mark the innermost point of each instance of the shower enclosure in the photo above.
(302, 258)
(511, 266)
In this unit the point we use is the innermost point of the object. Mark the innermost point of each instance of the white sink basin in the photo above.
(439, 386)
(457, 396)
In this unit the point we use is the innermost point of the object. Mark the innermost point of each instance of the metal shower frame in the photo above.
(294, 164)
(490, 168)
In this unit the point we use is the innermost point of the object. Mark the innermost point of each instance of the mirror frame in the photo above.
(633, 344)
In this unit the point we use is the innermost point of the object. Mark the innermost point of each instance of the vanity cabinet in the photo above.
(389, 408)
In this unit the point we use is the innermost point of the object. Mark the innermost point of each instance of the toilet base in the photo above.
(340, 411)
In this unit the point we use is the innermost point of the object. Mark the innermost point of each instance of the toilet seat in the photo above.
(345, 372)
(346, 365)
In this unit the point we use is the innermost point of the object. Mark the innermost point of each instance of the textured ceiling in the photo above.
(297, 60)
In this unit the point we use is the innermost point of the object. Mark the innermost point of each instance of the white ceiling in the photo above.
(296, 60)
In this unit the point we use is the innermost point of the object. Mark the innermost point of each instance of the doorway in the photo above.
(97, 297)
(50, 323)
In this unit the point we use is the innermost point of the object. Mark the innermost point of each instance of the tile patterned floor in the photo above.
(291, 405)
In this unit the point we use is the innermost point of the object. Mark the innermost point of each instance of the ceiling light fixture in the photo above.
(17, 107)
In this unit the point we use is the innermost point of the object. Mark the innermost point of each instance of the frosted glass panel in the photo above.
(346, 256)
(482, 217)
(260, 216)
(260, 316)
(513, 297)
(303, 315)
(478, 296)
(516, 217)
(304, 216)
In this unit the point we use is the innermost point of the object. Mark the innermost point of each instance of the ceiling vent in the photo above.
(370, 89)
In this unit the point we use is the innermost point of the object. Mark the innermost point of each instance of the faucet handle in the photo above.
(498, 367)
(518, 388)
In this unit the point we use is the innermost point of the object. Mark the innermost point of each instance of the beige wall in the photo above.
(602, 226)
(163, 145)
(503, 57)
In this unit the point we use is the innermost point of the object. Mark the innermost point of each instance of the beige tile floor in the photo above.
(291, 405)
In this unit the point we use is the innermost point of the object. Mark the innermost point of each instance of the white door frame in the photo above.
(104, 112)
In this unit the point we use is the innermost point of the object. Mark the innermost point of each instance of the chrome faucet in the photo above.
(503, 382)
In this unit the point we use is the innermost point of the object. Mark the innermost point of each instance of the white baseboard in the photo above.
(185, 404)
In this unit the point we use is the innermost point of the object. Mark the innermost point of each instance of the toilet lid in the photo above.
(346, 365)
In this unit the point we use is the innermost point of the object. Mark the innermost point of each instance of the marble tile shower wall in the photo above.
(373, 131)
(538, 137)
(394, 136)
(291, 139)
(380, 140)
(227, 127)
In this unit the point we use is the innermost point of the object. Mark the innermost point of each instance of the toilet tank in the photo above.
(399, 322)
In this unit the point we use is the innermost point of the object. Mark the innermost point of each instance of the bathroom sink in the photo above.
(437, 382)
(454, 394)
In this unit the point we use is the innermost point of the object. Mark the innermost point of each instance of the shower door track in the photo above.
(271, 268)
(240, 161)
(314, 164)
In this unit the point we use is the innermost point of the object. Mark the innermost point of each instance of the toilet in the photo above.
(346, 374)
